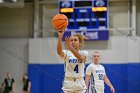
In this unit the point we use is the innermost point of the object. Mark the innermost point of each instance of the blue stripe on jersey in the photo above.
(92, 84)
(64, 67)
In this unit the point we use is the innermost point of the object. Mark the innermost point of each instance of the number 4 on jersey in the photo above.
(76, 69)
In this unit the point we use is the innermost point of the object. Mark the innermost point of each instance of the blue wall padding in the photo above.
(117, 73)
(133, 78)
(48, 78)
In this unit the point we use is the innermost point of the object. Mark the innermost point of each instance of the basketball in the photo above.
(60, 21)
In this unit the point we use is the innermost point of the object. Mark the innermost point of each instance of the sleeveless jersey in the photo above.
(97, 73)
(73, 67)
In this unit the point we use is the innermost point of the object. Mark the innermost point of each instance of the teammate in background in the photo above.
(26, 84)
(74, 60)
(9, 84)
(97, 76)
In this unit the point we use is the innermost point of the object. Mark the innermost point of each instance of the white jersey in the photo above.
(73, 67)
(97, 73)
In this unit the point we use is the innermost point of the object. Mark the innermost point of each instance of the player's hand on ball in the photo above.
(61, 32)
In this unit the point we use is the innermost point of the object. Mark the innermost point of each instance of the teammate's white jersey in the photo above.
(97, 73)
(73, 67)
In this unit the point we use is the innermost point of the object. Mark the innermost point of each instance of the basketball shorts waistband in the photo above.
(74, 79)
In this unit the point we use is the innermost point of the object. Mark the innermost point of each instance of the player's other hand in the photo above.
(29, 89)
(112, 89)
(87, 91)
(68, 42)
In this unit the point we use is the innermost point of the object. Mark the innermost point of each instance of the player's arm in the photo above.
(79, 56)
(88, 76)
(4, 84)
(107, 81)
(87, 81)
(59, 45)
(13, 84)
(29, 85)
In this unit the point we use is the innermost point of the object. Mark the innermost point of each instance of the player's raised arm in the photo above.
(60, 23)
(59, 44)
